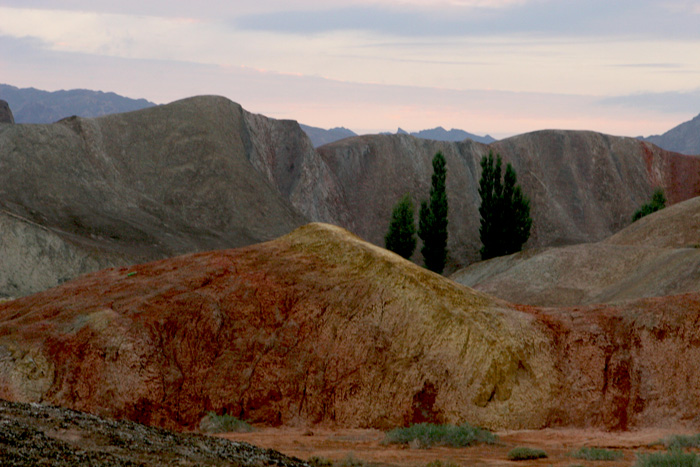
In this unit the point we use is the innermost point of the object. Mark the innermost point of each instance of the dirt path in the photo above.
(365, 445)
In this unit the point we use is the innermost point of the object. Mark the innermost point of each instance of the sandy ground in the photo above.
(366, 445)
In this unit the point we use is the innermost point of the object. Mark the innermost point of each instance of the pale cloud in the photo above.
(498, 66)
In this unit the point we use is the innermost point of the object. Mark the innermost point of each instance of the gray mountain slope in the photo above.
(139, 186)
(684, 138)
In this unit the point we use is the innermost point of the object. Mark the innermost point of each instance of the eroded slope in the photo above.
(656, 256)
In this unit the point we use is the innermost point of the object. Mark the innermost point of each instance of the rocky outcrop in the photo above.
(35, 258)
(5, 113)
(322, 327)
(34, 434)
(657, 255)
(627, 365)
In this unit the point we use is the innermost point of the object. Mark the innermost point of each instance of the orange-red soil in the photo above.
(366, 445)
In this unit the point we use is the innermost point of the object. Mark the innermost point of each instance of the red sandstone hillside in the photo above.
(656, 256)
(321, 327)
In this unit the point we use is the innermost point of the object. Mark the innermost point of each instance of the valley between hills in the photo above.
(189, 258)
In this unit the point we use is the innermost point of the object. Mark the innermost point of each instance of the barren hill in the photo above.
(194, 175)
(657, 255)
(322, 327)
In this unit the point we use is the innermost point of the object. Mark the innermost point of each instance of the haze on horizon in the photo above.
(500, 67)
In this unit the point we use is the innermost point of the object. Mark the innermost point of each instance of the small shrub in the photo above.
(429, 434)
(658, 202)
(439, 463)
(316, 461)
(681, 441)
(350, 461)
(668, 459)
(213, 423)
(523, 454)
(597, 454)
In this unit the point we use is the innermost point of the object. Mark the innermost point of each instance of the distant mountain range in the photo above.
(440, 134)
(685, 138)
(319, 136)
(30, 105)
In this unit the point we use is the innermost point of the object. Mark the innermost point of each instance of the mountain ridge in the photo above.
(683, 138)
(203, 173)
(31, 105)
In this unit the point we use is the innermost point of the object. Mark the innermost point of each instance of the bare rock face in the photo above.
(657, 255)
(322, 327)
(6, 113)
(35, 258)
(316, 327)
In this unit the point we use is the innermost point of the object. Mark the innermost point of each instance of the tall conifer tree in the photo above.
(401, 237)
(432, 225)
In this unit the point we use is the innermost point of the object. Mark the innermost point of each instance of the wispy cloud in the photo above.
(578, 18)
(664, 66)
(674, 102)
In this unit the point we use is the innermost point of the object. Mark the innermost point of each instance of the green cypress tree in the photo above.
(505, 210)
(401, 237)
(432, 224)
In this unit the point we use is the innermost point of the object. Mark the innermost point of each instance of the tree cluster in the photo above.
(505, 210)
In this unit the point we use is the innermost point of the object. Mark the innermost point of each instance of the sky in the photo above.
(498, 67)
